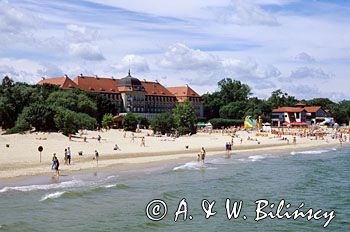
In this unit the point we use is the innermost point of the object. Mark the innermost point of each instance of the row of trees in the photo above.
(232, 102)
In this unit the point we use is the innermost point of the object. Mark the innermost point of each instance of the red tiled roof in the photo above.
(288, 110)
(62, 82)
(97, 84)
(154, 88)
(183, 91)
(312, 109)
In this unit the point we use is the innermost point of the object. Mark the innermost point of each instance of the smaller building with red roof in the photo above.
(299, 115)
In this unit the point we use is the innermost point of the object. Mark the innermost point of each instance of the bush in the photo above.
(69, 122)
(218, 123)
(130, 122)
(36, 115)
(107, 121)
(163, 123)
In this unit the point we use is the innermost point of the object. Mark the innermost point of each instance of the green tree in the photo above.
(184, 118)
(233, 110)
(279, 98)
(107, 121)
(142, 121)
(74, 100)
(37, 115)
(130, 122)
(233, 90)
(104, 105)
(69, 122)
(162, 123)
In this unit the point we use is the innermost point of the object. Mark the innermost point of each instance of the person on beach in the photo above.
(143, 144)
(69, 155)
(132, 137)
(56, 164)
(203, 153)
(227, 148)
(65, 156)
(294, 140)
(116, 147)
(124, 135)
(53, 161)
(99, 138)
(97, 156)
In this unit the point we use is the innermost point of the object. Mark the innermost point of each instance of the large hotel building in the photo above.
(132, 95)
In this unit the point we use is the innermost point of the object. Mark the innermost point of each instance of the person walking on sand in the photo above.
(53, 161)
(294, 140)
(97, 156)
(56, 164)
(203, 153)
(143, 144)
(69, 155)
(99, 138)
(124, 135)
(132, 137)
(65, 156)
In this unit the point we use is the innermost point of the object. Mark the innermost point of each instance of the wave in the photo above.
(194, 166)
(312, 152)
(256, 157)
(29, 188)
(52, 195)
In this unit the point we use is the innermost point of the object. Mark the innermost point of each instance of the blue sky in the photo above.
(302, 47)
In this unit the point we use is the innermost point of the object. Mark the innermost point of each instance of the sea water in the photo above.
(117, 201)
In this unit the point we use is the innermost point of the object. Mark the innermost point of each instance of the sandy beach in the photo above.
(19, 155)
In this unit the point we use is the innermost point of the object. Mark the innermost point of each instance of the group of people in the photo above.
(67, 156)
(201, 155)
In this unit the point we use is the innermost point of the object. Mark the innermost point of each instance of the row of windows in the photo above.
(160, 98)
(195, 99)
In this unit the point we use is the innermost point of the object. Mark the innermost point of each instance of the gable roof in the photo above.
(287, 110)
(154, 88)
(312, 109)
(97, 84)
(62, 82)
(183, 91)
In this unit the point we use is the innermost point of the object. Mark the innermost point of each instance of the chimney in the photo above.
(65, 75)
(113, 77)
(43, 78)
(81, 75)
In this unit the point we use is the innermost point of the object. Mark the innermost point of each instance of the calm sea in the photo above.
(116, 201)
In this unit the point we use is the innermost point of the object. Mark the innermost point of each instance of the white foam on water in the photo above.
(256, 157)
(110, 185)
(193, 166)
(311, 152)
(52, 195)
(28, 188)
(111, 177)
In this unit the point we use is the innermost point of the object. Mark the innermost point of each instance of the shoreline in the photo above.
(137, 162)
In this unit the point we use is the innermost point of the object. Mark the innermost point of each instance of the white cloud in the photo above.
(310, 73)
(181, 57)
(23, 70)
(303, 56)
(200, 68)
(246, 13)
(16, 24)
(86, 51)
(80, 33)
(134, 62)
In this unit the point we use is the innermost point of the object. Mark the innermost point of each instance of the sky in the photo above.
(301, 47)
